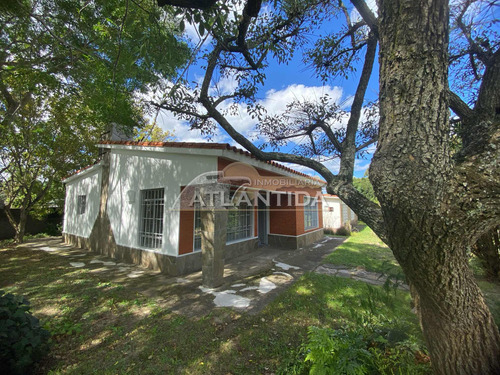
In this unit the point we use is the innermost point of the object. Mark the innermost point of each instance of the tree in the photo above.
(67, 69)
(364, 186)
(153, 133)
(433, 205)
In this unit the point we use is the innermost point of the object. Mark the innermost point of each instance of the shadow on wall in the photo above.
(131, 172)
(51, 224)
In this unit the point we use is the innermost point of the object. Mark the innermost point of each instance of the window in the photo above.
(151, 221)
(239, 222)
(197, 227)
(81, 204)
(310, 213)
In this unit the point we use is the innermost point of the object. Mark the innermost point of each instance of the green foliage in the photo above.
(368, 343)
(153, 133)
(364, 186)
(59, 327)
(61, 86)
(336, 352)
(342, 231)
(22, 341)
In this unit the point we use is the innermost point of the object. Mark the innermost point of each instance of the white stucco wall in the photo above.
(331, 213)
(339, 216)
(89, 184)
(132, 171)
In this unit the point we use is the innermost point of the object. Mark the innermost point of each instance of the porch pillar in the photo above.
(213, 214)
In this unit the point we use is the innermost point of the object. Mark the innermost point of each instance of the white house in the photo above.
(133, 204)
(337, 214)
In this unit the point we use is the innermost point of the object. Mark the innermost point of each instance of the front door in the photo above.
(262, 222)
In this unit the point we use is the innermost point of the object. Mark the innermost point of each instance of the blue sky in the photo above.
(285, 82)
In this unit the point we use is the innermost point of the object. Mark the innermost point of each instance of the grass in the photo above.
(365, 249)
(9, 242)
(101, 327)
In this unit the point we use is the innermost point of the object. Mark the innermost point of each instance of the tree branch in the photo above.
(367, 15)
(459, 106)
(180, 110)
(349, 143)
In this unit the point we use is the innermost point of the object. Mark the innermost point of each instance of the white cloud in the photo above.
(361, 165)
(182, 131)
(275, 101)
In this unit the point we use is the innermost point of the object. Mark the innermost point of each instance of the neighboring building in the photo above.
(337, 214)
(139, 203)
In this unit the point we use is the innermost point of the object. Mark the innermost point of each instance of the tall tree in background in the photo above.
(435, 202)
(68, 68)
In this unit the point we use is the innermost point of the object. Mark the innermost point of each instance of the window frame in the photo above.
(243, 232)
(247, 231)
(311, 213)
(151, 218)
(81, 204)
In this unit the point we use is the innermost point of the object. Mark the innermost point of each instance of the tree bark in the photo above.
(19, 227)
(412, 172)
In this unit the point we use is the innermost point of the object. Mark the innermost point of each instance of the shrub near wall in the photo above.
(22, 341)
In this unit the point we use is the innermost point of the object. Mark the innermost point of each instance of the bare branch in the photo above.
(349, 142)
(251, 10)
(474, 48)
(179, 110)
(366, 14)
(459, 106)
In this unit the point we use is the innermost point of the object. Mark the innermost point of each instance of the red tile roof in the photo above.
(203, 145)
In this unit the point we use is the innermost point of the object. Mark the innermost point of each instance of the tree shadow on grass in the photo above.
(102, 326)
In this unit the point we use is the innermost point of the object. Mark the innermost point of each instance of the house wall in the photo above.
(88, 184)
(131, 172)
(337, 214)
(332, 213)
(115, 233)
(287, 221)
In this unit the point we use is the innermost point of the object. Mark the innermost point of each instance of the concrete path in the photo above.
(250, 281)
(358, 274)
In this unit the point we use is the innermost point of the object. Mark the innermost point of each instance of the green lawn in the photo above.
(103, 327)
(365, 249)
(106, 328)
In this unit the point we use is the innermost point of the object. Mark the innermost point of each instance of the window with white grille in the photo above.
(151, 219)
(81, 204)
(197, 228)
(239, 222)
(311, 220)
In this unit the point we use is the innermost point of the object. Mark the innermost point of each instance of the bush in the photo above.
(364, 350)
(343, 231)
(368, 343)
(22, 341)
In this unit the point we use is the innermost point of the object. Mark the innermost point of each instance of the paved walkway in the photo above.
(358, 274)
(250, 281)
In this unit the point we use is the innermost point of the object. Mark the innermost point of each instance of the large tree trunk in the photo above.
(413, 175)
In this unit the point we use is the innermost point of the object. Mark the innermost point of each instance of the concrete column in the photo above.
(213, 214)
